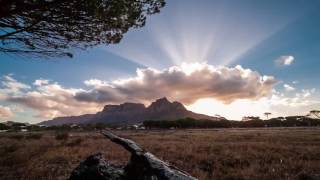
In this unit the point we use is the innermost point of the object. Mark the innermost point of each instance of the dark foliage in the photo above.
(34, 128)
(75, 142)
(62, 136)
(3, 127)
(17, 136)
(50, 28)
(85, 127)
(34, 136)
(291, 121)
(12, 126)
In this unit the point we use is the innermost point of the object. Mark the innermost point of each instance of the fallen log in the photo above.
(141, 166)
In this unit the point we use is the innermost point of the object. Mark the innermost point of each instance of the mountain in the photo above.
(82, 119)
(131, 113)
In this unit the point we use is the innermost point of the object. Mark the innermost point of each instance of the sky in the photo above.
(229, 58)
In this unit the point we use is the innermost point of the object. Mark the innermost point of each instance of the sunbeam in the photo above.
(218, 34)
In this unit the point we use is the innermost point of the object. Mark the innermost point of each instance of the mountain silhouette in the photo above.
(132, 113)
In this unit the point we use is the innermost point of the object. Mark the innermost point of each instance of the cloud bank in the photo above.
(186, 83)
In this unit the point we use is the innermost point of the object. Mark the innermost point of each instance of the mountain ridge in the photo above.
(131, 113)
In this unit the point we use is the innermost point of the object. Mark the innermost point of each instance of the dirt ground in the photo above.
(264, 154)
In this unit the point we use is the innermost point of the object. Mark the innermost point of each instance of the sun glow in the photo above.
(189, 68)
(232, 111)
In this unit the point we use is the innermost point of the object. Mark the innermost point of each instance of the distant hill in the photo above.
(131, 113)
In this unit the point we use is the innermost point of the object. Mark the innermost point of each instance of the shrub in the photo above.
(10, 148)
(34, 136)
(62, 136)
(3, 126)
(17, 136)
(75, 142)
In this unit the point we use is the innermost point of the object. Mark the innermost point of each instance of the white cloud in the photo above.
(284, 60)
(287, 87)
(40, 82)
(5, 112)
(12, 86)
(299, 104)
(186, 84)
(95, 83)
(306, 92)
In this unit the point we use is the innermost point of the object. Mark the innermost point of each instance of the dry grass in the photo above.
(206, 154)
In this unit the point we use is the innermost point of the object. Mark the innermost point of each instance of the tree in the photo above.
(250, 118)
(315, 113)
(267, 114)
(49, 28)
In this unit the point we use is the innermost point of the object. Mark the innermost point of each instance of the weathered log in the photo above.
(142, 166)
(128, 144)
(97, 168)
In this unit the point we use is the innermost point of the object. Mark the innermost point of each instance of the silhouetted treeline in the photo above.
(16, 126)
(291, 121)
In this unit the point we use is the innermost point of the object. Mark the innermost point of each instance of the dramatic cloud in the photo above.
(186, 83)
(5, 112)
(284, 60)
(287, 87)
(52, 100)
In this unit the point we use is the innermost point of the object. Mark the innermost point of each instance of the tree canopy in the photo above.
(315, 113)
(267, 114)
(50, 28)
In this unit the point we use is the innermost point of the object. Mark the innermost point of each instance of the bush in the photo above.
(3, 127)
(17, 136)
(34, 136)
(75, 142)
(10, 148)
(62, 136)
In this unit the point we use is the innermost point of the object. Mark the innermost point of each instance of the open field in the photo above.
(271, 153)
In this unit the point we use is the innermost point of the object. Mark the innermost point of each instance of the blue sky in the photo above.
(250, 33)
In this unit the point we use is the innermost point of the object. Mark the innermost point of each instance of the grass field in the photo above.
(264, 154)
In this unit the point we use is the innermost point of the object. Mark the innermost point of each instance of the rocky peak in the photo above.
(163, 104)
(124, 107)
(110, 108)
(178, 105)
(163, 100)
